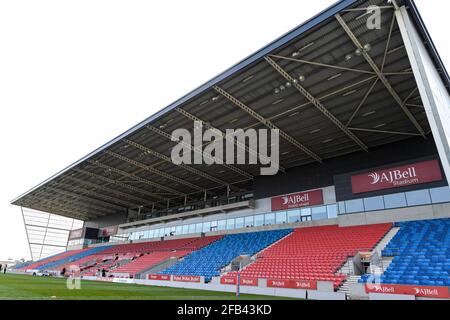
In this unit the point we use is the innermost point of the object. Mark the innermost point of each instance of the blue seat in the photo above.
(209, 260)
(421, 251)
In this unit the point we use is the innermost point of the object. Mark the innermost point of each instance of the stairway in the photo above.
(386, 239)
(344, 288)
(348, 268)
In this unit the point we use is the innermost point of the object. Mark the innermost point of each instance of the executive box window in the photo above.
(259, 220)
(353, 206)
(178, 230)
(332, 211)
(248, 221)
(393, 201)
(374, 203)
(269, 218)
(239, 224)
(192, 228)
(280, 217)
(318, 213)
(198, 227)
(185, 229)
(440, 195)
(230, 224)
(417, 198)
(207, 227)
(341, 207)
(293, 216)
(221, 225)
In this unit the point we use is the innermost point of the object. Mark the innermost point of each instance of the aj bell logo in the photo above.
(395, 177)
(427, 292)
(296, 199)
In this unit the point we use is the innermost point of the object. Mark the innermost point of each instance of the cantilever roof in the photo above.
(351, 111)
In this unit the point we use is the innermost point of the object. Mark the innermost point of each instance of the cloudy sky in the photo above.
(75, 74)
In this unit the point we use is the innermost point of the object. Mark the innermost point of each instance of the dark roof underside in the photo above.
(341, 106)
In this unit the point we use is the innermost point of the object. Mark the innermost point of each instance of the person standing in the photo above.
(4, 270)
(0, 267)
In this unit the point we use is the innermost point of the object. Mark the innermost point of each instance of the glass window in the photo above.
(440, 195)
(167, 232)
(178, 230)
(269, 218)
(293, 216)
(221, 224)
(280, 217)
(259, 220)
(185, 229)
(248, 221)
(213, 226)
(353, 206)
(397, 200)
(374, 203)
(230, 224)
(341, 206)
(198, 227)
(319, 213)
(305, 212)
(418, 198)
(239, 223)
(151, 233)
(206, 226)
(191, 228)
(332, 211)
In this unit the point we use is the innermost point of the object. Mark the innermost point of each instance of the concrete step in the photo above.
(386, 239)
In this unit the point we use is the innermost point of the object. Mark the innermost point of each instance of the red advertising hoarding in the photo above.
(244, 281)
(418, 291)
(297, 200)
(292, 284)
(186, 278)
(412, 174)
(165, 277)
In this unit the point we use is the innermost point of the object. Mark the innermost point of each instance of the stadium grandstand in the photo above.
(360, 206)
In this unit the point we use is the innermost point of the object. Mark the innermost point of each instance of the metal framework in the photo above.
(267, 123)
(379, 73)
(316, 103)
(336, 90)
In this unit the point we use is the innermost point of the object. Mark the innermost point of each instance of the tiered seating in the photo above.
(144, 247)
(315, 253)
(36, 265)
(208, 261)
(106, 259)
(72, 258)
(147, 261)
(421, 251)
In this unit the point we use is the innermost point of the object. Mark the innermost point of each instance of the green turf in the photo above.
(24, 287)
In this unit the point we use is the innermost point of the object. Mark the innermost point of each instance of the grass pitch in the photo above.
(24, 287)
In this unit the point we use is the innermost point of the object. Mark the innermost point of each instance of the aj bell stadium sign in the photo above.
(416, 173)
(297, 200)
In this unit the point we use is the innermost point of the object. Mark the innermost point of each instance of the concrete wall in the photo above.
(111, 220)
(429, 212)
